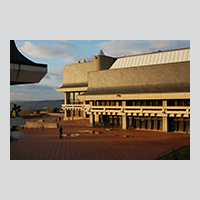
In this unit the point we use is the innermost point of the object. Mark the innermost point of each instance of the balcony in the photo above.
(160, 111)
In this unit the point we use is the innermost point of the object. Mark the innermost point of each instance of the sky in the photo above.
(56, 53)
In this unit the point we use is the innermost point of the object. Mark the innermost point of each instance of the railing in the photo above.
(171, 111)
(73, 106)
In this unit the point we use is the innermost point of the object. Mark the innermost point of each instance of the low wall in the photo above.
(30, 124)
(56, 114)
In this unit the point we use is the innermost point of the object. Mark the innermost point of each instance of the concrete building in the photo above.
(147, 91)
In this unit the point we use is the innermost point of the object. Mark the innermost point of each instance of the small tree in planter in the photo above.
(15, 111)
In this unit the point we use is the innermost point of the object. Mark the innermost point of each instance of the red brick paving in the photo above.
(142, 145)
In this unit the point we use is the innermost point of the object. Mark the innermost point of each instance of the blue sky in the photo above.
(56, 53)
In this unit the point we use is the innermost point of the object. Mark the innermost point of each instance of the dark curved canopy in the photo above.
(23, 70)
(17, 58)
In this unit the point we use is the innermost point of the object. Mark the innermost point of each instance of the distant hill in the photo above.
(33, 105)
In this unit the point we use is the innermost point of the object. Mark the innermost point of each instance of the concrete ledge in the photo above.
(56, 114)
(15, 121)
(30, 124)
(72, 118)
(13, 143)
(17, 134)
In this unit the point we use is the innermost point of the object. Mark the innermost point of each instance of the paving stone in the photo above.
(82, 145)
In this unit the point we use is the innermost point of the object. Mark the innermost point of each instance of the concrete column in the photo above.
(130, 121)
(124, 123)
(115, 120)
(65, 116)
(97, 115)
(164, 103)
(65, 102)
(155, 124)
(77, 98)
(120, 121)
(92, 123)
(165, 118)
(96, 118)
(73, 97)
(84, 114)
(79, 111)
(111, 119)
(101, 118)
(73, 111)
(165, 124)
(92, 120)
(149, 126)
(181, 125)
(76, 102)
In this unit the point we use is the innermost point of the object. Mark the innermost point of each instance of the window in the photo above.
(179, 102)
(129, 103)
(137, 103)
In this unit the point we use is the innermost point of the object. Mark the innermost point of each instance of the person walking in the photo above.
(60, 130)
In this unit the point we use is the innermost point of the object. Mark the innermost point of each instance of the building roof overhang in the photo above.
(73, 88)
(136, 96)
(23, 70)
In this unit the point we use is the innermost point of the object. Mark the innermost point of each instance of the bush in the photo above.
(55, 110)
(49, 110)
(182, 153)
(37, 111)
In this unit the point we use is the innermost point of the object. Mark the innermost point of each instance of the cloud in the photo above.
(64, 50)
(68, 44)
(131, 47)
(34, 92)
(55, 74)
(45, 50)
(16, 93)
(30, 88)
(39, 87)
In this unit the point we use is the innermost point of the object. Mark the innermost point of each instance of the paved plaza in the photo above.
(96, 143)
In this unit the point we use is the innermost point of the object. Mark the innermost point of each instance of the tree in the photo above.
(55, 110)
(15, 111)
(25, 111)
(49, 110)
